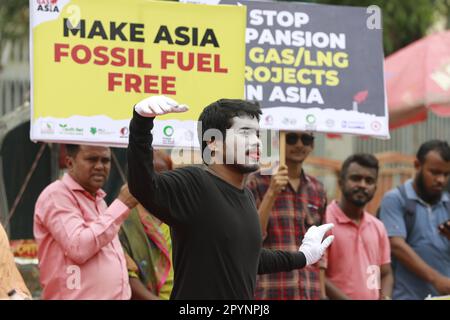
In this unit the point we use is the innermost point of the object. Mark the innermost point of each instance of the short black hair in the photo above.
(363, 159)
(72, 150)
(218, 115)
(440, 146)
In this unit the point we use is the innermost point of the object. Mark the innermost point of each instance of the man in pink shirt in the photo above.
(80, 255)
(359, 258)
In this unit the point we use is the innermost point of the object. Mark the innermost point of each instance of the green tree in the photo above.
(14, 21)
(404, 21)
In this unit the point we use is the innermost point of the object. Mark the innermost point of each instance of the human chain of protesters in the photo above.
(236, 233)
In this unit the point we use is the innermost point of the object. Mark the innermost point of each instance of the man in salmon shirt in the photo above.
(359, 258)
(80, 255)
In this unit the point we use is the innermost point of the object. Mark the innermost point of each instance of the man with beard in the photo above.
(289, 202)
(215, 230)
(359, 259)
(420, 236)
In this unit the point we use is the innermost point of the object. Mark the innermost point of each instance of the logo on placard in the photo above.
(124, 132)
(65, 129)
(375, 125)
(47, 5)
(189, 135)
(100, 131)
(310, 119)
(269, 120)
(168, 132)
(289, 121)
(47, 128)
(353, 124)
(330, 123)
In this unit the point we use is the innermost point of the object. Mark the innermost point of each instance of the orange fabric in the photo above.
(9, 275)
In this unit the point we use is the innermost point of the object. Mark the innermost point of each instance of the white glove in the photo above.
(312, 246)
(158, 105)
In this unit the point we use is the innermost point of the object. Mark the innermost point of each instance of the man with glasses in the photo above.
(289, 202)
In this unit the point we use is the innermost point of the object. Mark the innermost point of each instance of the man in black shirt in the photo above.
(216, 236)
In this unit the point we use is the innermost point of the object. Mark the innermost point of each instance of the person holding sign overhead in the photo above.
(216, 236)
(289, 202)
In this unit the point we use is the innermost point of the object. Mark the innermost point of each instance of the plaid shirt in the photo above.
(292, 214)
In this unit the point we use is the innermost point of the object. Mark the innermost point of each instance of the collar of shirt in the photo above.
(75, 186)
(304, 181)
(304, 177)
(341, 217)
(272, 170)
(411, 194)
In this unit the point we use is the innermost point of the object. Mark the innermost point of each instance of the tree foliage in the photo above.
(14, 19)
(404, 21)
(14, 22)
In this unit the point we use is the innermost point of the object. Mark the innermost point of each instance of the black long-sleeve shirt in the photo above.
(216, 235)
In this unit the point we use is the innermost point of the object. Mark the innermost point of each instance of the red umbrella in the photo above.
(418, 80)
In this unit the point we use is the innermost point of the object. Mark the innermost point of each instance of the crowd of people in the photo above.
(226, 231)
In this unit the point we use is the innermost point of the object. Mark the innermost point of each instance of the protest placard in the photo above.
(92, 60)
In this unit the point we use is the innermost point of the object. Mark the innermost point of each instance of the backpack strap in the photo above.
(409, 213)
(447, 207)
